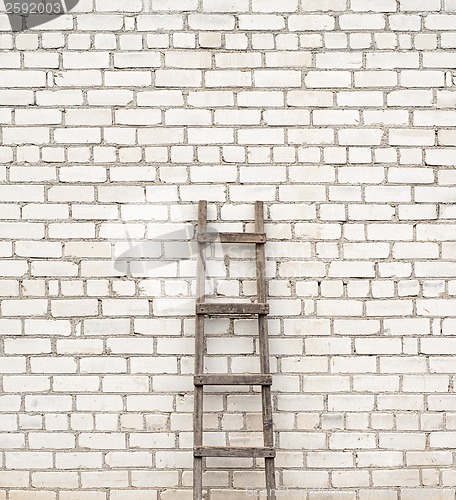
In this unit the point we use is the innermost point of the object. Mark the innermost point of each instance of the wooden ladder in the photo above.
(264, 378)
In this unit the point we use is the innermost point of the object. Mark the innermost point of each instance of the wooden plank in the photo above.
(232, 237)
(200, 289)
(232, 451)
(269, 468)
(260, 255)
(197, 478)
(268, 433)
(232, 379)
(201, 257)
(267, 415)
(213, 309)
(199, 355)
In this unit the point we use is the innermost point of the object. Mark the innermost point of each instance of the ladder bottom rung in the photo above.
(231, 451)
(232, 237)
(232, 308)
(232, 379)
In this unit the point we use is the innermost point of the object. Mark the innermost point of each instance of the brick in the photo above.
(210, 98)
(434, 307)
(310, 22)
(417, 493)
(351, 269)
(403, 22)
(400, 402)
(159, 22)
(237, 117)
(372, 6)
(390, 478)
(137, 60)
(26, 307)
(82, 60)
(39, 495)
(127, 78)
(234, 6)
(352, 440)
(409, 5)
(387, 308)
(20, 78)
(375, 78)
(178, 78)
(288, 59)
(412, 97)
(103, 441)
(440, 60)
(389, 232)
(279, 78)
(26, 135)
(379, 459)
(109, 97)
(65, 460)
(78, 136)
(86, 307)
(441, 439)
(311, 136)
(211, 22)
(364, 21)
(233, 60)
(261, 22)
(360, 98)
(323, 79)
(90, 495)
(365, 137)
(227, 78)
(78, 78)
(310, 98)
(187, 117)
(370, 212)
(335, 117)
(327, 346)
(214, 135)
(390, 60)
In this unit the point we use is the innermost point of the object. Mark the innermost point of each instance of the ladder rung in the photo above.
(232, 237)
(232, 379)
(212, 309)
(231, 451)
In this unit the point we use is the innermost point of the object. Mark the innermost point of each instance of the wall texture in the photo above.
(116, 119)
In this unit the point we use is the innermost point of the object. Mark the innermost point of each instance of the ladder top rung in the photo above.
(232, 237)
(232, 379)
(231, 451)
(212, 309)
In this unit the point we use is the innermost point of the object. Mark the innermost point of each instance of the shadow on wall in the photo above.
(158, 256)
(154, 254)
(163, 249)
(26, 14)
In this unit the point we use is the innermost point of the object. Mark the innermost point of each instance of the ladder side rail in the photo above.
(268, 433)
(199, 354)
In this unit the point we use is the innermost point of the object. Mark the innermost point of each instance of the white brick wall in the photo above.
(115, 120)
